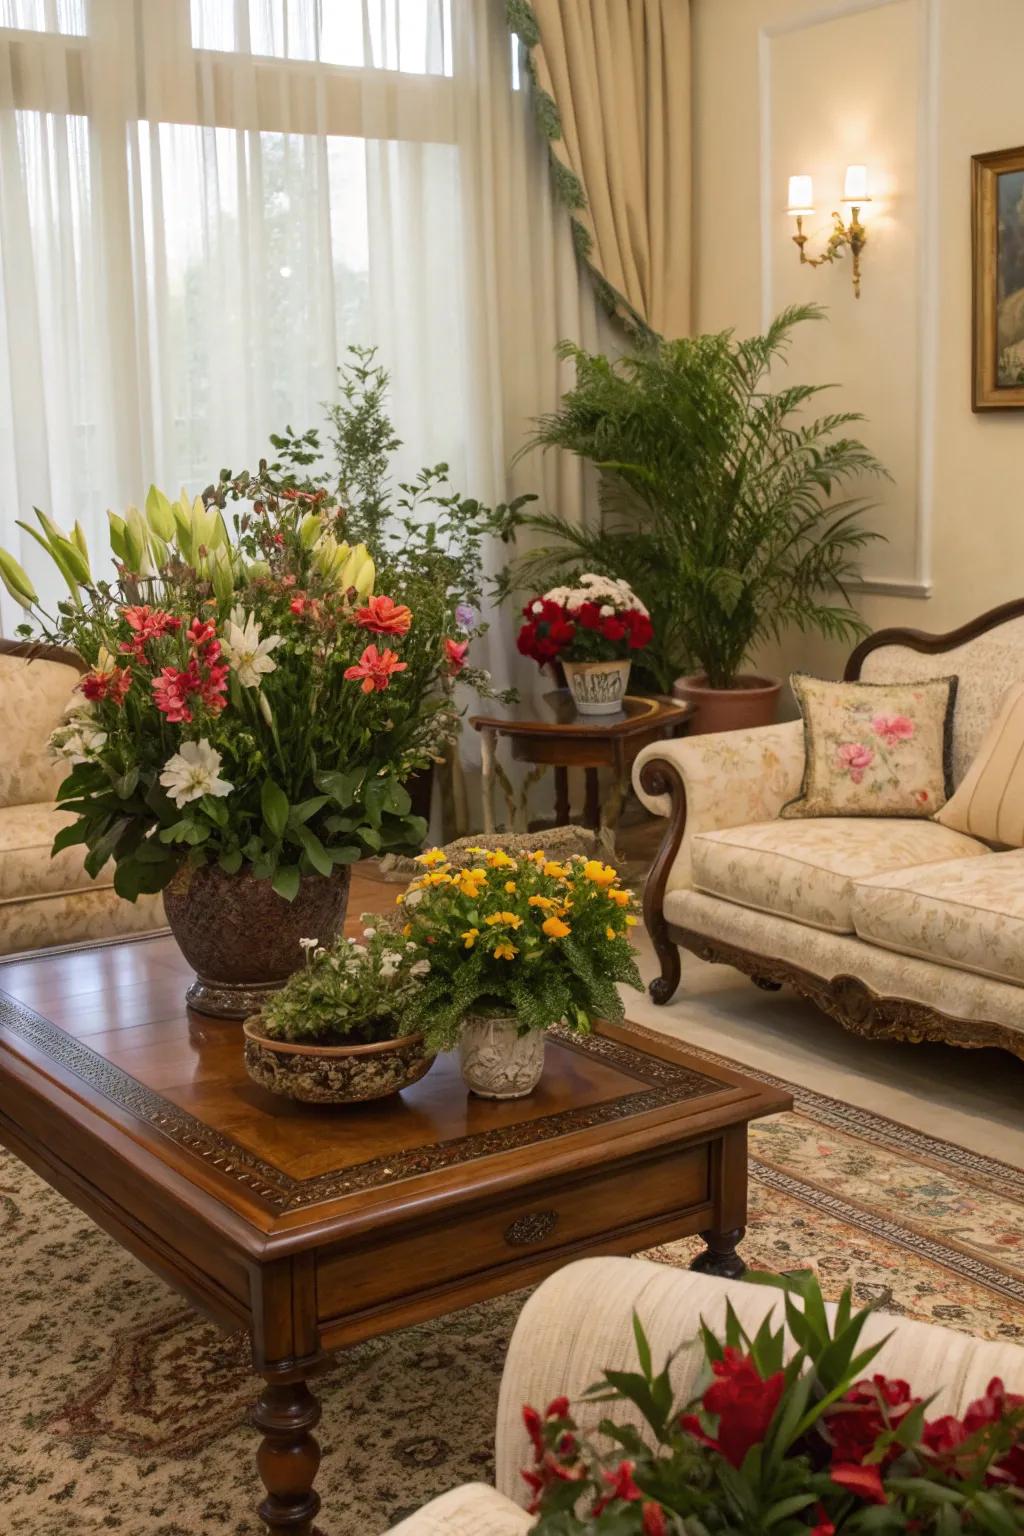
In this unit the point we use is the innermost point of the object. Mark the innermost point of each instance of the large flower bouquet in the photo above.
(770, 1448)
(599, 619)
(249, 700)
(526, 935)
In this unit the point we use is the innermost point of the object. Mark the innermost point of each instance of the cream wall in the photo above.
(913, 87)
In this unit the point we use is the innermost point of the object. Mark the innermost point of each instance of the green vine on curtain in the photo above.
(569, 189)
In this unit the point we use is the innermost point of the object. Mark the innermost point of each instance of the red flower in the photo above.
(614, 628)
(589, 615)
(641, 630)
(200, 632)
(944, 1437)
(558, 1408)
(620, 1486)
(865, 1482)
(824, 1526)
(653, 1523)
(744, 1402)
(868, 1410)
(146, 624)
(375, 668)
(213, 687)
(384, 617)
(534, 1428)
(112, 685)
(455, 654)
(171, 691)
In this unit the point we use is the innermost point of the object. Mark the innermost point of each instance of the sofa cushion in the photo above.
(33, 698)
(26, 868)
(990, 801)
(806, 869)
(968, 914)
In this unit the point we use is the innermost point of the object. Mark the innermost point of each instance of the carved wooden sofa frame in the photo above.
(845, 998)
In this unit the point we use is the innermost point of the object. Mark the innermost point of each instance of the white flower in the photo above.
(419, 968)
(265, 709)
(538, 607)
(192, 773)
(606, 610)
(245, 651)
(413, 897)
(308, 943)
(77, 742)
(369, 933)
(409, 948)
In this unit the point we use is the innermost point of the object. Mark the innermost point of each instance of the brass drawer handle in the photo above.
(530, 1229)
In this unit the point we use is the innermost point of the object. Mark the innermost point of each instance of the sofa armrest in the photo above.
(580, 1323)
(726, 779)
(472, 1510)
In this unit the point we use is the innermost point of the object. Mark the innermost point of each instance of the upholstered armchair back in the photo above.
(986, 664)
(33, 696)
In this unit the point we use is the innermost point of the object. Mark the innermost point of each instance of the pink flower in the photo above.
(375, 668)
(455, 655)
(146, 624)
(855, 757)
(171, 692)
(893, 728)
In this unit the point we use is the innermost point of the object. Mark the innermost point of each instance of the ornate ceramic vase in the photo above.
(334, 1074)
(598, 687)
(497, 1061)
(241, 938)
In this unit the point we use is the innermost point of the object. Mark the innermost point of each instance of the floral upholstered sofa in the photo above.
(899, 928)
(46, 901)
(579, 1323)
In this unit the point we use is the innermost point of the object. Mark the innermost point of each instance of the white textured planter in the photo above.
(598, 687)
(497, 1061)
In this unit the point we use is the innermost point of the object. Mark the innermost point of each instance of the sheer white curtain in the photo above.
(203, 202)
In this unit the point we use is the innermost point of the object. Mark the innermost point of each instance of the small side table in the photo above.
(549, 732)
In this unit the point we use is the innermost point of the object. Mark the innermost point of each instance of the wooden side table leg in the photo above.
(729, 1186)
(289, 1456)
(592, 808)
(561, 796)
(488, 742)
(720, 1256)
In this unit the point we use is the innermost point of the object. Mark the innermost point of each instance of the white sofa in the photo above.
(579, 1322)
(898, 928)
(46, 901)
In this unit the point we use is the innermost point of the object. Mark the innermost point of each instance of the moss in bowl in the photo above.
(334, 1033)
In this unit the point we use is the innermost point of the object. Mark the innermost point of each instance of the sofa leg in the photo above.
(663, 987)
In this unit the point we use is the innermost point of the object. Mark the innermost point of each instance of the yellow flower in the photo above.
(609, 933)
(437, 877)
(538, 856)
(499, 859)
(544, 902)
(555, 928)
(621, 898)
(505, 951)
(399, 898)
(555, 870)
(406, 930)
(470, 937)
(631, 922)
(432, 856)
(511, 887)
(469, 885)
(600, 874)
(510, 919)
(476, 850)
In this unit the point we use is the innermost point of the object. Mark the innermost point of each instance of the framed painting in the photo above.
(997, 216)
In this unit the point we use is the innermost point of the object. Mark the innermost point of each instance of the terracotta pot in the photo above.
(334, 1074)
(753, 701)
(597, 687)
(241, 938)
(497, 1061)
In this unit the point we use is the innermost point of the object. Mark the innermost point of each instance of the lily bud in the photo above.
(160, 515)
(16, 581)
(118, 540)
(310, 529)
(358, 571)
(222, 573)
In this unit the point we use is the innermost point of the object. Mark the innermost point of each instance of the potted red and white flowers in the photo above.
(593, 629)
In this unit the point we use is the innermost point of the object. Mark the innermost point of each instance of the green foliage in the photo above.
(348, 993)
(719, 502)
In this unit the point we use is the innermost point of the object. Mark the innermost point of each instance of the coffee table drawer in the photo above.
(376, 1270)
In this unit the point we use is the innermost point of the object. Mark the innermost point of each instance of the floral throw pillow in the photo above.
(875, 749)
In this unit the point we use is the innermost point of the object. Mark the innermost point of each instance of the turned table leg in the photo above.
(720, 1256)
(288, 1457)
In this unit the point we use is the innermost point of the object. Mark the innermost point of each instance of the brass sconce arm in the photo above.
(852, 235)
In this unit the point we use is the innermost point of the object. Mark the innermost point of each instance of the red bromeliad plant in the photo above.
(776, 1448)
(600, 619)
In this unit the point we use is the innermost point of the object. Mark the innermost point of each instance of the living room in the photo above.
(511, 710)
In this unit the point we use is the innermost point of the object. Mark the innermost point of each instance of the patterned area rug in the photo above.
(121, 1411)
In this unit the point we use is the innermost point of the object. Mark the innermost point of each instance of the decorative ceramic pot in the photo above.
(334, 1074)
(598, 687)
(497, 1061)
(753, 701)
(241, 938)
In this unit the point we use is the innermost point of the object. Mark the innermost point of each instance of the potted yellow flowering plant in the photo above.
(516, 945)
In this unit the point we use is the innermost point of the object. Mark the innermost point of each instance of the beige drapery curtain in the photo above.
(612, 79)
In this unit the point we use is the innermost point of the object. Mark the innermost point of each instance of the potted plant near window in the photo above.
(594, 629)
(718, 507)
(335, 1032)
(515, 945)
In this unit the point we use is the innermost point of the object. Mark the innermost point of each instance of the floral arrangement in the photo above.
(599, 620)
(249, 700)
(770, 1448)
(528, 935)
(348, 993)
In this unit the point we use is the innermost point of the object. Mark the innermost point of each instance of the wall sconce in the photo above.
(853, 234)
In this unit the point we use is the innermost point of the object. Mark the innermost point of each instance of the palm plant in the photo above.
(716, 497)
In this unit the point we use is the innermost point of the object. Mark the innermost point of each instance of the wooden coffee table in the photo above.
(315, 1228)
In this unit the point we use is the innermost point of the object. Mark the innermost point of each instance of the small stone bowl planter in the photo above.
(334, 1074)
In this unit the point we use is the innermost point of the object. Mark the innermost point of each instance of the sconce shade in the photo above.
(855, 184)
(801, 195)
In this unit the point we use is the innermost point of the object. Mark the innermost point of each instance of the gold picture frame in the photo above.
(997, 226)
